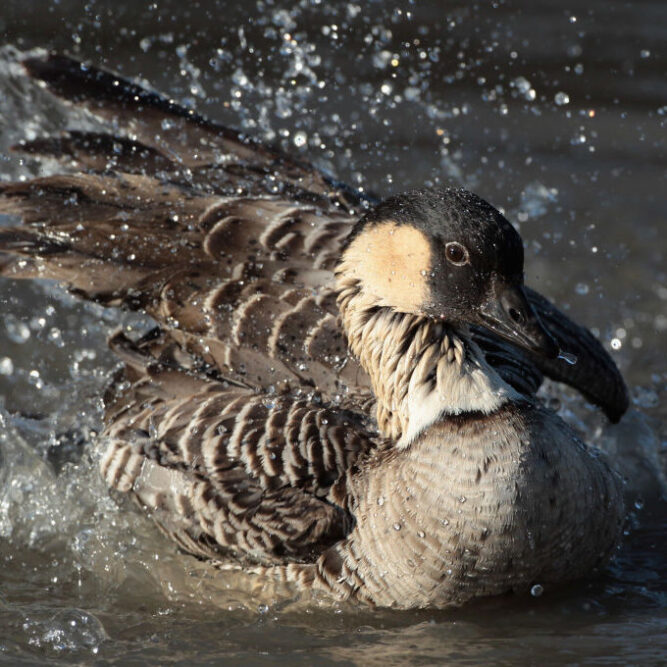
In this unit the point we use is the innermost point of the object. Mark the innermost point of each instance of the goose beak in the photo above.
(508, 314)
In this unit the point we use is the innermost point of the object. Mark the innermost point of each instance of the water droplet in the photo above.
(616, 344)
(55, 336)
(6, 366)
(37, 323)
(537, 590)
(397, 526)
(462, 499)
(381, 60)
(567, 357)
(411, 94)
(35, 380)
(421, 534)
(300, 139)
(639, 504)
(380, 501)
(561, 98)
(645, 397)
(17, 331)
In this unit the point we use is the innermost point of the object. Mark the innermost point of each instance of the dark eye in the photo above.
(456, 253)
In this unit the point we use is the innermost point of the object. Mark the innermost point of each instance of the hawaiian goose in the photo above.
(345, 404)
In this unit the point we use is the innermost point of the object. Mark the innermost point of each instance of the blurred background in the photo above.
(554, 112)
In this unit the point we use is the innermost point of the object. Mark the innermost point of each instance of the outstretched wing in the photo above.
(170, 137)
(244, 285)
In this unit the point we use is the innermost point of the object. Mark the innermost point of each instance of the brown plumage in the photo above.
(336, 431)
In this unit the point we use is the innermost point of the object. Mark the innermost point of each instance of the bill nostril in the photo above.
(516, 315)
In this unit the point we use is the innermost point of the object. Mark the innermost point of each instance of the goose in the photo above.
(339, 392)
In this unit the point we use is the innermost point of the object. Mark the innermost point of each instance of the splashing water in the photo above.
(567, 357)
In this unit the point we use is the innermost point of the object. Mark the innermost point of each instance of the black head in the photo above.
(446, 254)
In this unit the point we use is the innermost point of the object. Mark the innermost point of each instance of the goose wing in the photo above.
(224, 470)
(244, 285)
(158, 133)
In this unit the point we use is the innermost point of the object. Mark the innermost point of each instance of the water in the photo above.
(567, 357)
(557, 115)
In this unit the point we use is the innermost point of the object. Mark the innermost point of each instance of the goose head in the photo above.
(445, 254)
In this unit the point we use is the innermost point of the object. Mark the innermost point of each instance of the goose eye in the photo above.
(456, 253)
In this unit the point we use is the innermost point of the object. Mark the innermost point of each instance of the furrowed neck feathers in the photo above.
(421, 369)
